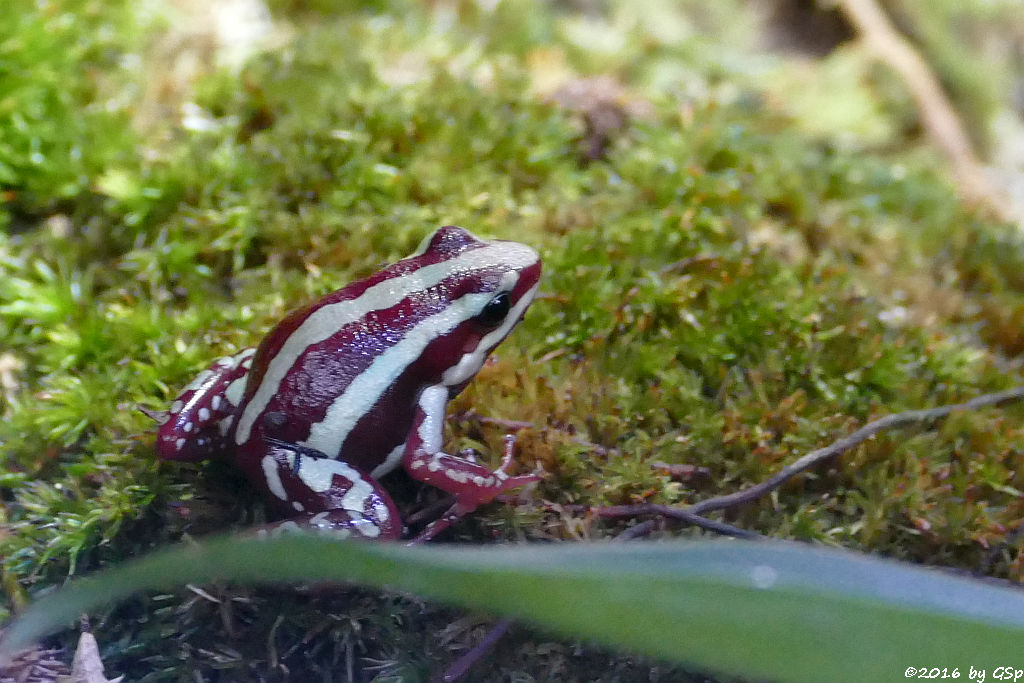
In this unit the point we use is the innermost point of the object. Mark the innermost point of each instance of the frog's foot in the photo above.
(462, 508)
(323, 494)
(471, 483)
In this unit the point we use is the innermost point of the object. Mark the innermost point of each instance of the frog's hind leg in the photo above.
(323, 494)
(199, 421)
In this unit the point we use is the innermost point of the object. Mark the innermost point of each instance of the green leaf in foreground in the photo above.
(784, 611)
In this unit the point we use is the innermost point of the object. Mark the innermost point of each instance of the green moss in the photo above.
(62, 117)
(721, 289)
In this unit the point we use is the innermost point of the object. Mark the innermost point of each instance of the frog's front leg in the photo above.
(471, 483)
(321, 494)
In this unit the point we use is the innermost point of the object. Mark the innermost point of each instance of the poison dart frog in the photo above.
(341, 392)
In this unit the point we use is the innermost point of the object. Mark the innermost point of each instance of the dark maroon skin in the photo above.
(333, 487)
(205, 439)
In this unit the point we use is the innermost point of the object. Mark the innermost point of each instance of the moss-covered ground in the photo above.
(724, 287)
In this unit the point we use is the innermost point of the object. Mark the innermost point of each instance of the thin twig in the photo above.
(640, 530)
(678, 514)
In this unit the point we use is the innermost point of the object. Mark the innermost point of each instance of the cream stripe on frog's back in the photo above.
(366, 389)
(327, 320)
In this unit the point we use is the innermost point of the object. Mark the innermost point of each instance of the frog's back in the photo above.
(344, 373)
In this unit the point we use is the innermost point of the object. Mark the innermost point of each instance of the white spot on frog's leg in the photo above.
(235, 390)
(204, 414)
(179, 443)
(215, 402)
(457, 476)
(369, 529)
(390, 462)
(176, 407)
(273, 478)
(326, 320)
(286, 527)
(188, 427)
(225, 425)
(319, 518)
(298, 506)
(366, 527)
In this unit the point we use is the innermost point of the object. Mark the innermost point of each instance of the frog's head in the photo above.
(487, 286)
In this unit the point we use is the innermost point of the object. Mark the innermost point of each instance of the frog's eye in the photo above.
(495, 310)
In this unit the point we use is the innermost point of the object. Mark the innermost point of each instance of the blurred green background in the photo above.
(751, 248)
